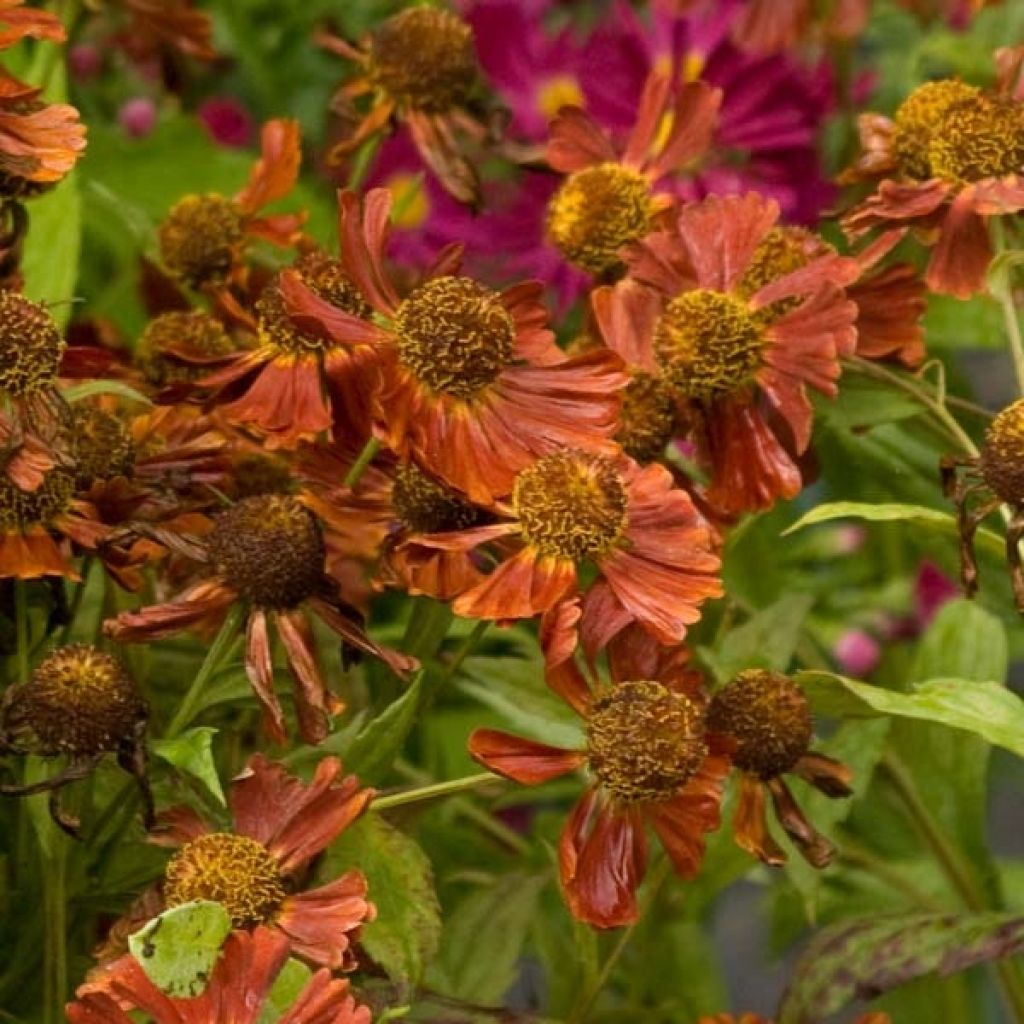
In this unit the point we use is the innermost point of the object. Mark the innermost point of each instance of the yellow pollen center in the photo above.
(167, 338)
(647, 420)
(425, 506)
(768, 717)
(269, 549)
(326, 278)
(199, 239)
(1002, 455)
(571, 504)
(919, 118)
(559, 91)
(21, 509)
(596, 212)
(104, 448)
(782, 251)
(455, 335)
(31, 345)
(79, 701)
(425, 59)
(980, 137)
(645, 741)
(708, 344)
(235, 871)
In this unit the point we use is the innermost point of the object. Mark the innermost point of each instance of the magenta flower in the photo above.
(857, 653)
(226, 121)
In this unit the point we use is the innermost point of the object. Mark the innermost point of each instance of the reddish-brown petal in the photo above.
(769, 26)
(438, 147)
(523, 586)
(626, 315)
(963, 252)
(559, 638)
(32, 554)
(320, 922)
(576, 141)
(602, 860)
(293, 819)
(259, 669)
(721, 235)
(319, 317)
(896, 201)
(326, 1000)
(277, 169)
(42, 145)
(649, 114)
(877, 155)
(694, 120)
(522, 760)
(310, 687)
(815, 848)
(176, 23)
(363, 231)
(832, 777)
(18, 22)
(346, 623)
(535, 341)
(750, 823)
(203, 601)
(890, 304)
(177, 826)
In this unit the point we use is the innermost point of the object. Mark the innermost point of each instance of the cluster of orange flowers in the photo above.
(333, 427)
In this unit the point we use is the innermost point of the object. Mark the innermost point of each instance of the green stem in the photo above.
(942, 415)
(467, 647)
(354, 475)
(1009, 308)
(76, 602)
(957, 870)
(21, 628)
(56, 927)
(214, 656)
(363, 158)
(580, 1012)
(412, 796)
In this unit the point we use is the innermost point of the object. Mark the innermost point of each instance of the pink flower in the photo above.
(226, 121)
(857, 653)
(85, 61)
(932, 589)
(137, 117)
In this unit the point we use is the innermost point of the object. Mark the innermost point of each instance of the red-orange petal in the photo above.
(522, 760)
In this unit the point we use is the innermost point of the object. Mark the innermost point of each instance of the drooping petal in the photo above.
(523, 586)
(962, 255)
(525, 761)
(694, 120)
(890, 304)
(750, 823)
(42, 145)
(259, 669)
(320, 922)
(203, 601)
(311, 701)
(813, 846)
(277, 169)
(577, 141)
(826, 774)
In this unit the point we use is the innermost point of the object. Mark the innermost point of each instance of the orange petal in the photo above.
(521, 760)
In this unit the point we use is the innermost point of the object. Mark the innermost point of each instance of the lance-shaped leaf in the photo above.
(862, 959)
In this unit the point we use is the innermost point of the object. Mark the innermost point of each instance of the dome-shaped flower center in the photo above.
(269, 549)
(79, 701)
(327, 279)
(424, 58)
(425, 506)
(571, 504)
(20, 509)
(918, 118)
(708, 344)
(104, 448)
(31, 345)
(782, 251)
(169, 338)
(980, 137)
(455, 335)
(644, 741)
(596, 212)
(647, 420)
(235, 871)
(768, 716)
(199, 237)
(1002, 455)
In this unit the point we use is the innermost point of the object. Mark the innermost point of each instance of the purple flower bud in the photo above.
(857, 653)
(226, 121)
(137, 117)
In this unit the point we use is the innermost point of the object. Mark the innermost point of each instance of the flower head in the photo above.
(765, 720)
(237, 990)
(266, 551)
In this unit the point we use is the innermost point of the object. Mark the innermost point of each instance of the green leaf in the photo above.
(987, 710)
(963, 641)
(484, 937)
(865, 402)
(375, 747)
(192, 753)
(285, 991)
(932, 518)
(53, 247)
(178, 949)
(766, 640)
(405, 934)
(863, 958)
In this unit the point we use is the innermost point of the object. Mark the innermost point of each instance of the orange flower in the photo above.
(18, 22)
(279, 825)
(764, 720)
(382, 520)
(267, 551)
(606, 200)
(296, 384)
(238, 988)
(472, 385)
(174, 23)
(203, 237)
(420, 65)
(771, 26)
(650, 763)
(951, 157)
(651, 549)
(739, 334)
